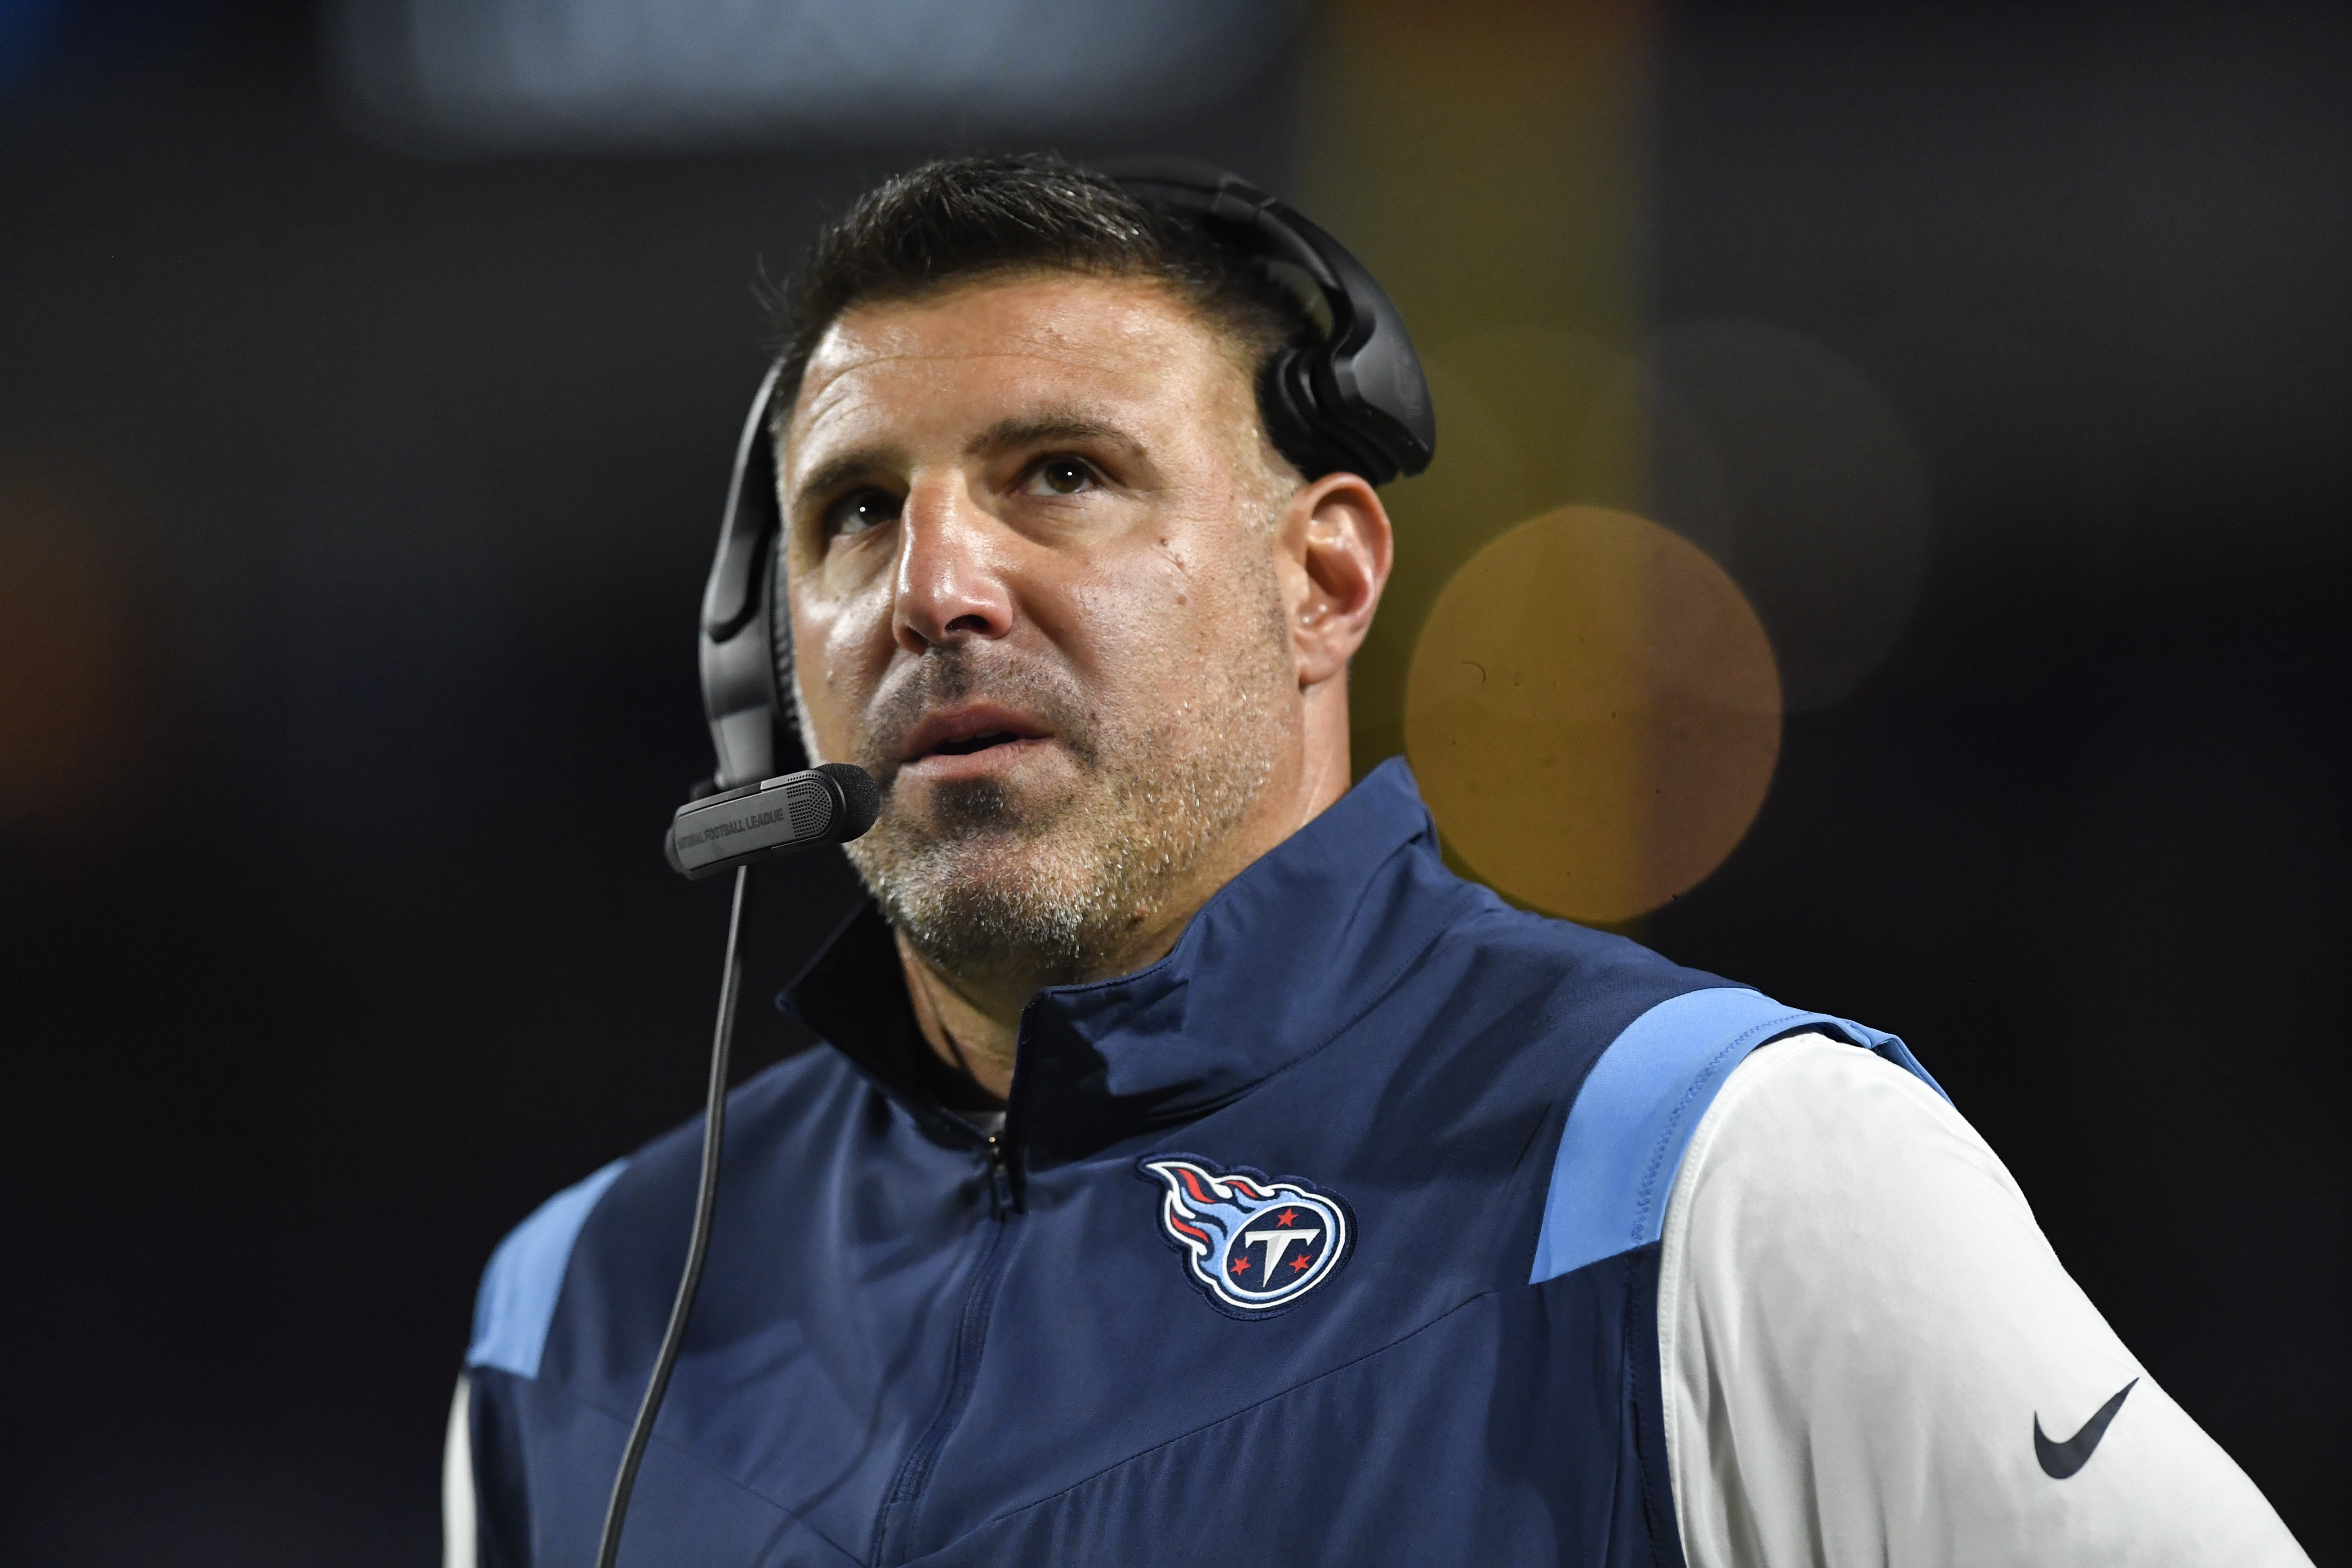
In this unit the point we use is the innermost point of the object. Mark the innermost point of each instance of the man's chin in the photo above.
(978, 858)
(985, 901)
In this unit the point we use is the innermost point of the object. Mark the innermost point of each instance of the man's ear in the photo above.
(1337, 545)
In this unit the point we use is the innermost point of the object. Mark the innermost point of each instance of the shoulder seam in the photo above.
(516, 1305)
(1632, 1119)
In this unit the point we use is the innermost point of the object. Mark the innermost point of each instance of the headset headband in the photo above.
(1354, 402)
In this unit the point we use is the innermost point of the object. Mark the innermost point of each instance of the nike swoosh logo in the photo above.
(2060, 1460)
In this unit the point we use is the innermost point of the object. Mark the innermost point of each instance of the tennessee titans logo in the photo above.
(1253, 1244)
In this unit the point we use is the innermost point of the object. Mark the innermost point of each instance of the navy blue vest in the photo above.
(1331, 1237)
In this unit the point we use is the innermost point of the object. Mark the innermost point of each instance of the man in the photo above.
(1197, 1171)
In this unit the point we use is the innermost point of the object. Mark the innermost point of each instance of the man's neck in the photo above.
(973, 1029)
(974, 1024)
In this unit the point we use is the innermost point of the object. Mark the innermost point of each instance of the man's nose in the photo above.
(951, 582)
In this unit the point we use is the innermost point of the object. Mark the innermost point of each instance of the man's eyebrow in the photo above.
(1022, 430)
(1042, 429)
(838, 469)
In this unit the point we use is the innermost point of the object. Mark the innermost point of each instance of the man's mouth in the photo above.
(976, 743)
(966, 731)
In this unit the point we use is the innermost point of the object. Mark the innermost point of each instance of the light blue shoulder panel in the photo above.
(517, 1302)
(1640, 1105)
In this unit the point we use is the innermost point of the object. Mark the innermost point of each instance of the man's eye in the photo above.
(859, 510)
(1061, 477)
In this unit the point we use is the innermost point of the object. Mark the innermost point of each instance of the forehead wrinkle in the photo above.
(1029, 429)
(834, 386)
(846, 382)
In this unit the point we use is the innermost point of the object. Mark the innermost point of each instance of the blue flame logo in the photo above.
(1253, 1244)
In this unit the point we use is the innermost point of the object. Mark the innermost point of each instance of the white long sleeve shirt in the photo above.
(1862, 1328)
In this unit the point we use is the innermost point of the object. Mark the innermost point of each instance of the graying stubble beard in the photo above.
(984, 894)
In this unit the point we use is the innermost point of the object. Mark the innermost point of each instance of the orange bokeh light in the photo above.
(1593, 712)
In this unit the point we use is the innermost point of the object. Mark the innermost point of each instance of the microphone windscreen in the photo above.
(861, 800)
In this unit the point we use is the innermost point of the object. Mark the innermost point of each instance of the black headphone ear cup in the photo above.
(1294, 405)
(1296, 397)
(1376, 396)
(1284, 403)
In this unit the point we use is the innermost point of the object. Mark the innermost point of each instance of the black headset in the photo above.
(1354, 402)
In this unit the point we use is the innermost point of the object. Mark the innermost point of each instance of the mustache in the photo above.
(958, 672)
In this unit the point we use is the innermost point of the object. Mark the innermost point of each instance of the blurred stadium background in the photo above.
(368, 377)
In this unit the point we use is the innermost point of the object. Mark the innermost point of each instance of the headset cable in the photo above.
(706, 1204)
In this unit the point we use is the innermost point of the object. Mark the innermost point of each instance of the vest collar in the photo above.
(1274, 966)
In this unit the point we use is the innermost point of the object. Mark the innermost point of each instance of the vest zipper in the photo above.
(892, 1524)
(1000, 1175)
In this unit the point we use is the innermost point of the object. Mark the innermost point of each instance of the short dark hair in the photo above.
(955, 220)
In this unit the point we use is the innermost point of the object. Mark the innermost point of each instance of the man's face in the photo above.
(1032, 547)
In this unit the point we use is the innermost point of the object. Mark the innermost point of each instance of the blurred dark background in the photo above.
(361, 451)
